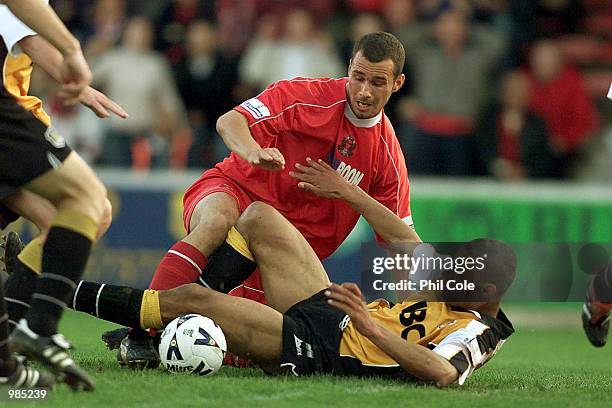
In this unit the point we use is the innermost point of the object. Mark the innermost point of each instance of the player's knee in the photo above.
(260, 226)
(256, 219)
(92, 198)
(224, 218)
(194, 295)
(107, 218)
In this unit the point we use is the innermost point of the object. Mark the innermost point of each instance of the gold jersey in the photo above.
(464, 337)
(16, 76)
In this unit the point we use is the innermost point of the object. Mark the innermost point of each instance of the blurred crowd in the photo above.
(512, 89)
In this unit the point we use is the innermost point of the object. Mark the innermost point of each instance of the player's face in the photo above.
(370, 85)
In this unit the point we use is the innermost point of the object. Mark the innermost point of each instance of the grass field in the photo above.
(548, 366)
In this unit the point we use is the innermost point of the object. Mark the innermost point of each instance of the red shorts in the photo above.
(214, 181)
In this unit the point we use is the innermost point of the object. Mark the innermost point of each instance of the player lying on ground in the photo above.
(316, 177)
(310, 326)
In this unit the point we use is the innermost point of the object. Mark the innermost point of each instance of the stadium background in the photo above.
(184, 62)
(177, 65)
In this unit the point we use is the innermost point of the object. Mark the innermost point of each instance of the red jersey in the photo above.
(311, 118)
(565, 107)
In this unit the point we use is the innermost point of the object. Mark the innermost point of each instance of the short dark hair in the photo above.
(380, 46)
(501, 263)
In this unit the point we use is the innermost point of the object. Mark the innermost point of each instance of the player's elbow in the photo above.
(227, 121)
(221, 124)
(445, 376)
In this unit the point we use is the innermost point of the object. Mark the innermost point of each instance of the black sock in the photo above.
(117, 304)
(226, 269)
(7, 364)
(19, 288)
(65, 255)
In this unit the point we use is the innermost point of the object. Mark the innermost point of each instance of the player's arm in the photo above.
(234, 130)
(41, 18)
(415, 359)
(75, 73)
(320, 179)
(50, 60)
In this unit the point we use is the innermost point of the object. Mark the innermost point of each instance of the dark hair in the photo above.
(380, 46)
(500, 264)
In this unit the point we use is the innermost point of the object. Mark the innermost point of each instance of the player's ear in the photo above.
(488, 291)
(349, 66)
(399, 82)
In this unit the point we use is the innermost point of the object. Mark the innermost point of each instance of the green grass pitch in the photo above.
(539, 367)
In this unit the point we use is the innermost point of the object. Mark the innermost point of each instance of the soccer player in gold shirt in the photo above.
(312, 326)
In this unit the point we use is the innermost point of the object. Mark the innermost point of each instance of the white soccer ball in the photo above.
(192, 344)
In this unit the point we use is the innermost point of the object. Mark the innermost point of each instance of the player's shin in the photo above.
(183, 263)
(21, 282)
(118, 304)
(65, 254)
(230, 265)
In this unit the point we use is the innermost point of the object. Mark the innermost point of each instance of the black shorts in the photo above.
(28, 148)
(7, 216)
(312, 330)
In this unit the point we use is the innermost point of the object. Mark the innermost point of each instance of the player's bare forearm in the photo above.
(415, 359)
(43, 54)
(321, 179)
(50, 60)
(384, 221)
(234, 130)
(41, 18)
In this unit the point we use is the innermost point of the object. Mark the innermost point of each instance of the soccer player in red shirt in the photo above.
(338, 120)
(271, 136)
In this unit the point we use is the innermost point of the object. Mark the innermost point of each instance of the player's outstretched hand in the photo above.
(268, 158)
(76, 76)
(101, 104)
(321, 179)
(348, 298)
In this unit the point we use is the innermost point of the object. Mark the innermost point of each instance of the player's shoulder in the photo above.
(387, 137)
(386, 126)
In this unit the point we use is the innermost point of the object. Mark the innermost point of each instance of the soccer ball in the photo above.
(192, 344)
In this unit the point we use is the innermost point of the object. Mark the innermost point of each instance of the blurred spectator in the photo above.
(360, 25)
(238, 20)
(401, 18)
(366, 6)
(205, 79)
(452, 64)
(172, 25)
(511, 141)
(72, 13)
(139, 80)
(302, 50)
(559, 16)
(107, 24)
(560, 98)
